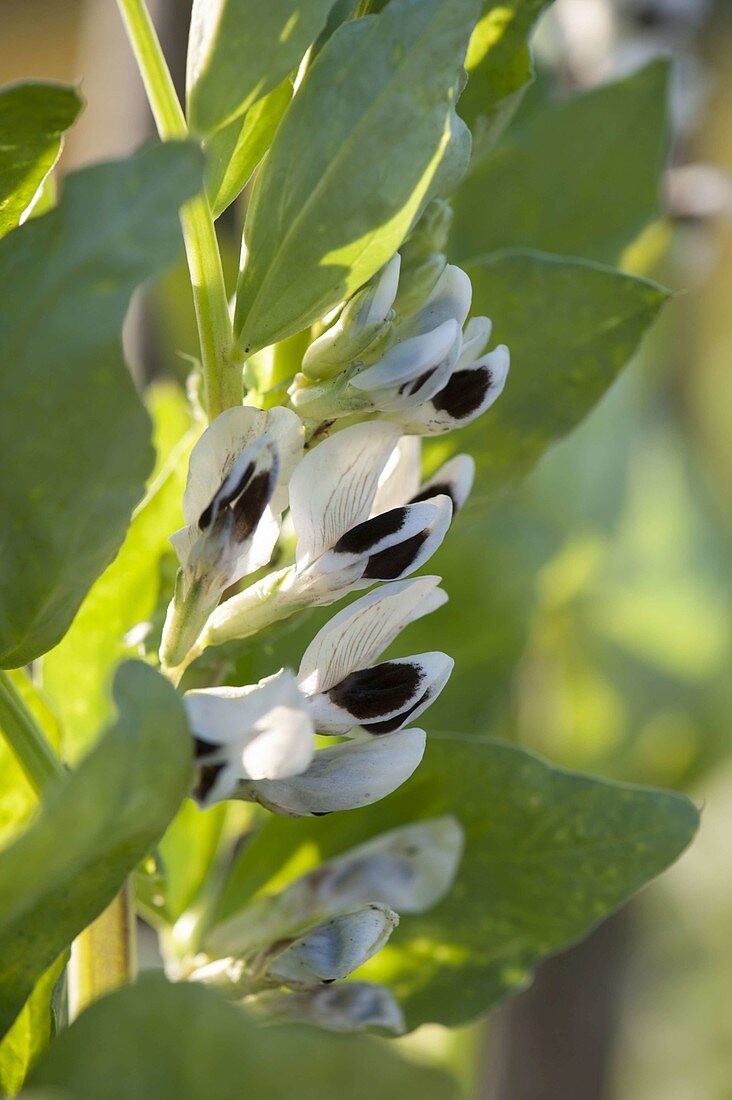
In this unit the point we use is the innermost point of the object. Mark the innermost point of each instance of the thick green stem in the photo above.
(104, 956)
(222, 377)
(26, 738)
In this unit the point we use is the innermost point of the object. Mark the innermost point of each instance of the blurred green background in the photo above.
(608, 581)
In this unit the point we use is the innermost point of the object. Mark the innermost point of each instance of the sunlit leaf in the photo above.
(350, 165)
(234, 152)
(239, 50)
(30, 1033)
(33, 118)
(499, 66)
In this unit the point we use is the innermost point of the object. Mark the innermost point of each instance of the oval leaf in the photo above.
(548, 854)
(239, 50)
(350, 165)
(33, 118)
(75, 437)
(92, 831)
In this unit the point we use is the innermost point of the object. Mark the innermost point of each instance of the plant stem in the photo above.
(103, 957)
(26, 738)
(221, 376)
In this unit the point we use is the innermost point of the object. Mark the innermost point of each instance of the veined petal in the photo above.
(454, 480)
(216, 452)
(343, 1007)
(359, 634)
(409, 359)
(400, 479)
(333, 487)
(344, 777)
(466, 396)
(333, 949)
(384, 697)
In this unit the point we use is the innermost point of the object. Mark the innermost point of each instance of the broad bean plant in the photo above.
(224, 610)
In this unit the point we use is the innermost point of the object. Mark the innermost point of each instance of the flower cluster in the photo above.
(334, 482)
(285, 955)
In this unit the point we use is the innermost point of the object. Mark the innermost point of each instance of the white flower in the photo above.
(345, 1007)
(423, 369)
(235, 494)
(344, 777)
(409, 869)
(341, 544)
(343, 685)
(249, 733)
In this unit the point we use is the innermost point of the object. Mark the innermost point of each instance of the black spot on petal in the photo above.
(249, 507)
(464, 392)
(391, 724)
(201, 749)
(364, 535)
(207, 776)
(415, 383)
(221, 500)
(444, 488)
(387, 565)
(370, 692)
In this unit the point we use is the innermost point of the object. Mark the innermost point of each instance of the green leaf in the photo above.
(499, 66)
(183, 1042)
(77, 672)
(548, 854)
(75, 437)
(30, 1033)
(239, 50)
(350, 165)
(92, 831)
(234, 152)
(539, 197)
(571, 325)
(33, 118)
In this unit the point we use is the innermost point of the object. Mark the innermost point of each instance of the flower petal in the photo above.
(216, 452)
(454, 479)
(359, 634)
(466, 396)
(344, 777)
(333, 488)
(400, 480)
(343, 1007)
(384, 697)
(408, 359)
(334, 948)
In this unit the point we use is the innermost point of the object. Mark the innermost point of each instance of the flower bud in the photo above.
(344, 1007)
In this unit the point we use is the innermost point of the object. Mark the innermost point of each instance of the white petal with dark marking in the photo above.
(333, 488)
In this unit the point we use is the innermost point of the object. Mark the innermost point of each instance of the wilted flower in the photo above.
(278, 952)
(341, 545)
(409, 868)
(259, 732)
(234, 498)
(346, 1006)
